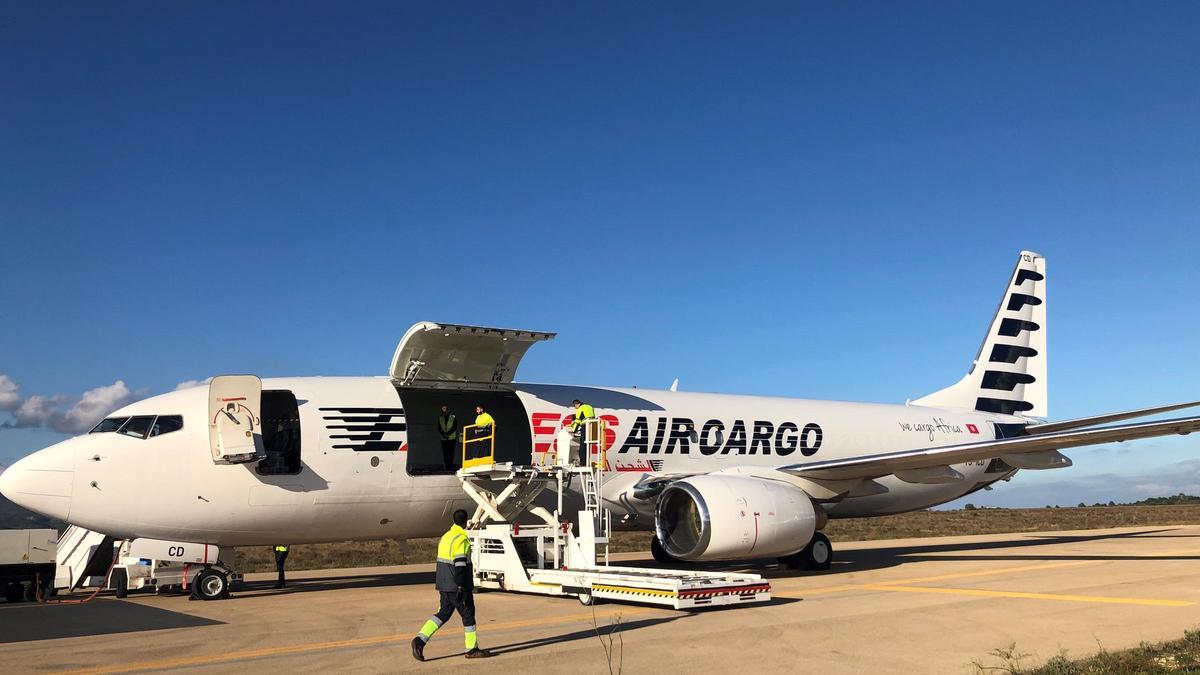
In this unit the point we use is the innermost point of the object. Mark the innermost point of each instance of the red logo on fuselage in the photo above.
(545, 425)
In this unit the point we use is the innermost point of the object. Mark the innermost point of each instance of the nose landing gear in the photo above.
(211, 583)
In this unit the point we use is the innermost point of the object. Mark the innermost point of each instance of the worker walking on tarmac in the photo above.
(281, 553)
(448, 431)
(455, 584)
(583, 412)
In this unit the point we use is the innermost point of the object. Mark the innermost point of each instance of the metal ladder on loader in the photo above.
(550, 557)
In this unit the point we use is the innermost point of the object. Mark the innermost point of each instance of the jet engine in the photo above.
(715, 517)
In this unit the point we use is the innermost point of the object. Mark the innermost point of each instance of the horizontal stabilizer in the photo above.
(874, 466)
(1081, 422)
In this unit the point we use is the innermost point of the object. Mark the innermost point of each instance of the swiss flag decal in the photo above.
(972, 428)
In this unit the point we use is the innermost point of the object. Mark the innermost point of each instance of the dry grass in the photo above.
(905, 525)
(1176, 656)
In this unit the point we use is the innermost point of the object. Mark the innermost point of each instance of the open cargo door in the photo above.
(234, 422)
(444, 354)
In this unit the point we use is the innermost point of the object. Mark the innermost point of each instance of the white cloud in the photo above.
(94, 405)
(188, 384)
(10, 395)
(49, 412)
(36, 411)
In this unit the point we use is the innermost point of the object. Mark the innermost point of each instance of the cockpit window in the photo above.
(137, 427)
(165, 424)
(110, 424)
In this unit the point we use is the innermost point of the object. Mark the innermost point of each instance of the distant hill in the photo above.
(13, 517)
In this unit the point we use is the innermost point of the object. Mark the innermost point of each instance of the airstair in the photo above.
(562, 558)
(83, 558)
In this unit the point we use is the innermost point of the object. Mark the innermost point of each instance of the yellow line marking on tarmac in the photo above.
(904, 585)
(940, 577)
(304, 648)
(983, 573)
(1151, 602)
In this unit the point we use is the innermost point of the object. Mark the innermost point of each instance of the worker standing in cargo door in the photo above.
(448, 431)
(281, 554)
(484, 426)
(583, 412)
(455, 582)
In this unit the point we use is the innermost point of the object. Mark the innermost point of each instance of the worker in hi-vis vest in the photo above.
(583, 412)
(484, 426)
(455, 582)
(448, 431)
(281, 552)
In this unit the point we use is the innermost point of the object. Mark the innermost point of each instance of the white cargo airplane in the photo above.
(300, 460)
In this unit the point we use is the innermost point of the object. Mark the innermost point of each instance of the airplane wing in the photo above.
(873, 466)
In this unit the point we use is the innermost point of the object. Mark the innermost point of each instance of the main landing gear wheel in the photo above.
(818, 555)
(211, 584)
(660, 554)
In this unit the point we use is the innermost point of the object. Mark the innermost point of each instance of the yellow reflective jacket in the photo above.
(585, 412)
(454, 569)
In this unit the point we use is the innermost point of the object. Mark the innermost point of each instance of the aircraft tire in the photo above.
(211, 584)
(660, 554)
(819, 552)
(818, 555)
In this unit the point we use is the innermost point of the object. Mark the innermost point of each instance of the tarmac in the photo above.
(939, 605)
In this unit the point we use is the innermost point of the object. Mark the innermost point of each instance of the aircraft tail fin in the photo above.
(1009, 373)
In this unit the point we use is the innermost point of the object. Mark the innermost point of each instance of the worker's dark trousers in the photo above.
(477, 450)
(583, 448)
(280, 559)
(448, 454)
(466, 608)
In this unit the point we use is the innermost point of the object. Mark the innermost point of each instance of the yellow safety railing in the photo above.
(490, 448)
(595, 441)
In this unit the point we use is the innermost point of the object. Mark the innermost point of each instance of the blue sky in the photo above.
(808, 200)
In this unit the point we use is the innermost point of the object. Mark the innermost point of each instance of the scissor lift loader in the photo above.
(554, 558)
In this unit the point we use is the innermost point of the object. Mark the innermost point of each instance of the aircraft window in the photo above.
(110, 424)
(165, 424)
(137, 427)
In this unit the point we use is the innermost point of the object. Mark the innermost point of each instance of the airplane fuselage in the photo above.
(371, 465)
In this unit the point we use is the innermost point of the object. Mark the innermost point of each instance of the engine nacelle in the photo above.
(718, 517)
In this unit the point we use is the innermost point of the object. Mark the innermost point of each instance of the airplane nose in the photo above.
(42, 481)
